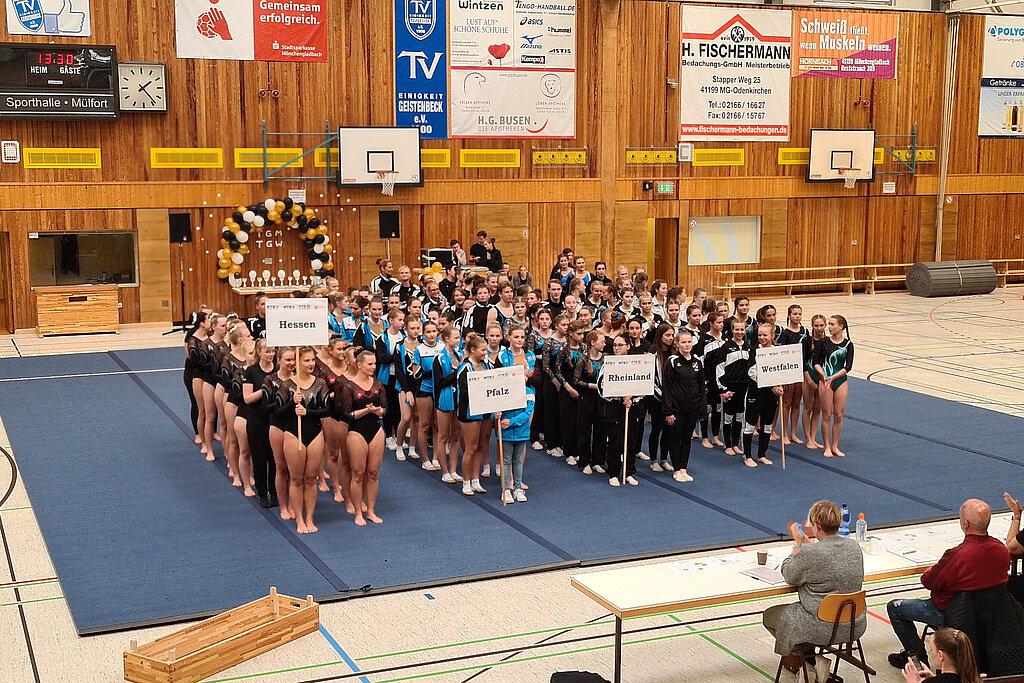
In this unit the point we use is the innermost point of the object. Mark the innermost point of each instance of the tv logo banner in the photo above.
(49, 18)
(421, 67)
(1001, 111)
(266, 30)
(627, 376)
(491, 391)
(297, 322)
(779, 365)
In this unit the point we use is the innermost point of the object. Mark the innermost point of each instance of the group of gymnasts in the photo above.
(394, 376)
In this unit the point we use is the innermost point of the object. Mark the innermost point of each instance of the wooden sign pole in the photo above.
(298, 417)
(782, 429)
(625, 445)
(501, 464)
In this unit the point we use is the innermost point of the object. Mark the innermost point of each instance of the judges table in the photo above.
(701, 582)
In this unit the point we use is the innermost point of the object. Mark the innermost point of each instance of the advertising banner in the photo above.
(49, 18)
(627, 376)
(297, 322)
(1001, 114)
(491, 391)
(844, 44)
(734, 74)
(421, 67)
(513, 69)
(779, 365)
(266, 30)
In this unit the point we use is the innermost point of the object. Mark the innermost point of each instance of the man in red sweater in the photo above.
(980, 562)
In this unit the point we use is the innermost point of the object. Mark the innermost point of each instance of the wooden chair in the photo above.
(841, 610)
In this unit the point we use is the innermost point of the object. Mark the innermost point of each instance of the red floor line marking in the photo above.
(27, 582)
(740, 549)
(879, 618)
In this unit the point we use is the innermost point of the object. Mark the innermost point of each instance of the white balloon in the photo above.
(248, 216)
(270, 204)
(237, 258)
(233, 280)
(316, 264)
(258, 221)
(221, 253)
(242, 236)
(327, 240)
(318, 248)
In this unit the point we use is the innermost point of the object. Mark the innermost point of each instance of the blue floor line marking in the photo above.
(341, 653)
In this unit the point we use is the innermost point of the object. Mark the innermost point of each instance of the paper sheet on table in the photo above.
(915, 555)
(706, 563)
(766, 574)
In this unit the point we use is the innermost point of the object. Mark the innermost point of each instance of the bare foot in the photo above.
(360, 521)
(796, 440)
(237, 483)
(730, 451)
(374, 518)
(706, 444)
(838, 453)
(775, 437)
(364, 507)
(764, 461)
(210, 457)
(338, 498)
(199, 440)
(812, 445)
(252, 481)
(300, 526)
(350, 508)
(286, 513)
(216, 437)
(311, 528)
(827, 453)
(323, 486)
(249, 493)
(717, 442)
(749, 463)
(786, 441)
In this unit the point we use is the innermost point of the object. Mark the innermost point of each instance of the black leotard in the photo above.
(355, 398)
(316, 400)
(235, 369)
(207, 352)
(273, 399)
(257, 413)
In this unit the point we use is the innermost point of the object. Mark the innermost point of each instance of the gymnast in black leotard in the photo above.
(335, 431)
(303, 436)
(274, 400)
(232, 364)
(363, 404)
(194, 373)
(210, 359)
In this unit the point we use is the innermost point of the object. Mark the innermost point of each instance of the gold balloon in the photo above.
(273, 215)
(328, 248)
(279, 207)
(312, 271)
(242, 209)
(236, 268)
(322, 229)
(329, 266)
(278, 222)
(223, 272)
(243, 249)
(309, 213)
(224, 263)
(234, 227)
(224, 243)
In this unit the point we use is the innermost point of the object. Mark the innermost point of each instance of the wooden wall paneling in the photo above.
(583, 234)
(982, 229)
(631, 236)
(950, 228)
(926, 229)
(610, 159)
(509, 225)
(154, 265)
(666, 249)
(130, 312)
(892, 229)
(554, 227)
(372, 247)
(822, 232)
(683, 244)
(774, 225)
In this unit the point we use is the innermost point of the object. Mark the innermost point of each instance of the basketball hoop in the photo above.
(387, 182)
(849, 176)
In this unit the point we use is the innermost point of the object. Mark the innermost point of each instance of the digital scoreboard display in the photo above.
(58, 82)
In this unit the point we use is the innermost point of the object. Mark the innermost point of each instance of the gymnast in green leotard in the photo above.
(833, 360)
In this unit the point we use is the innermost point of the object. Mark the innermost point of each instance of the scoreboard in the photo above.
(41, 81)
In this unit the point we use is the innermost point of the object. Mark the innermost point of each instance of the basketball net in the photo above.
(849, 177)
(387, 182)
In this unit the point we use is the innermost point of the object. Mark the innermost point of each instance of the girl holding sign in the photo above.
(762, 403)
(622, 437)
(516, 423)
(474, 427)
(309, 403)
(444, 377)
(363, 403)
(833, 359)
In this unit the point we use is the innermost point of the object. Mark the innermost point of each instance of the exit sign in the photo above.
(665, 187)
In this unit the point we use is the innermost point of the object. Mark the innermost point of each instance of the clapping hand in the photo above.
(1014, 505)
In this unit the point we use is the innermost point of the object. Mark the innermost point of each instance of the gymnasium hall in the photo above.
(486, 340)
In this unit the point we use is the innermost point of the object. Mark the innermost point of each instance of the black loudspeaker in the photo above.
(179, 227)
(388, 225)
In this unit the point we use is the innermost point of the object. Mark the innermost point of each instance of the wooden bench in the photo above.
(1007, 268)
(867, 275)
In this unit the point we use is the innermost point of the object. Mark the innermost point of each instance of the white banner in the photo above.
(491, 391)
(251, 29)
(627, 376)
(779, 365)
(734, 74)
(1001, 110)
(49, 18)
(297, 322)
(513, 69)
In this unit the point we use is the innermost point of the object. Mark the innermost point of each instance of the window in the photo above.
(76, 258)
(721, 240)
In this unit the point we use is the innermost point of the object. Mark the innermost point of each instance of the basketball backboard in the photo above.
(365, 151)
(834, 149)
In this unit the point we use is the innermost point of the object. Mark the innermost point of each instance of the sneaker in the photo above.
(570, 460)
(399, 454)
(667, 466)
(822, 668)
(467, 489)
(391, 444)
(507, 498)
(553, 452)
(899, 659)
(475, 485)
(429, 466)
(413, 454)
(614, 481)
(558, 452)
(537, 446)
(435, 464)
(598, 469)
(486, 472)
(679, 476)
(632, 481)
(642, 456)
(520, 496)
(587, 470)
(456, 478)
(656, 467)
(447, 478)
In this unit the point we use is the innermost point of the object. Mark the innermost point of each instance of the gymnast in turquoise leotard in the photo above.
(833, 360)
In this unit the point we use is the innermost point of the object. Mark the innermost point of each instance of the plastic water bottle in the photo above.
(862, 529)
(844, 528)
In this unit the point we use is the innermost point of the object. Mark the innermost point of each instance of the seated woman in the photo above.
(832, 565)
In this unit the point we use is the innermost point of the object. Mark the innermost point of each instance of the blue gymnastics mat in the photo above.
(143, 531)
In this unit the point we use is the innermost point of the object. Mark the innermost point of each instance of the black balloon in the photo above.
(309, 243)
(313, 223)
(330, 273)
(261, 211)
(301, 220)
(228, 235)
(234, 244)
(320, 239)
(313, 256)
(223, 279)
(286, 216)
(322, 272)
(245, 227)
(288, 202)
(237, 216)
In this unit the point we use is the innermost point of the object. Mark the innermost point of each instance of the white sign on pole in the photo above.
(491, 391)
(779, 365)
(627, 376)
(297, 322)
